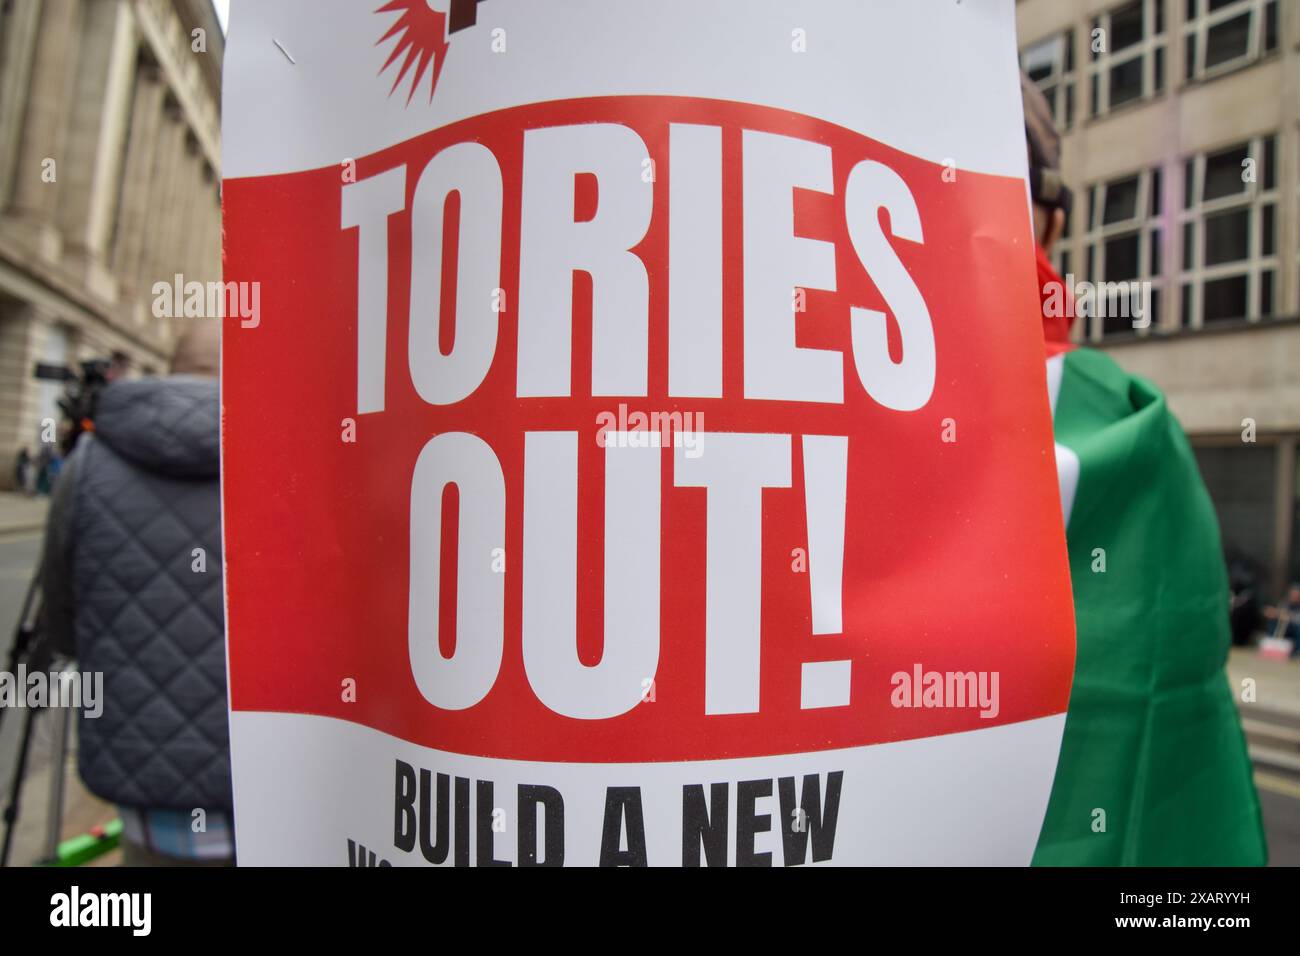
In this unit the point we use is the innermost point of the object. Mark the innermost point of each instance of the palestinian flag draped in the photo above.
(1153, 768)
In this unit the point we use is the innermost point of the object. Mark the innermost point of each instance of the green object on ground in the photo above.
(87, 846)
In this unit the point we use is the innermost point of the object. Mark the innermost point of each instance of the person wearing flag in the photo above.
(1153, 769)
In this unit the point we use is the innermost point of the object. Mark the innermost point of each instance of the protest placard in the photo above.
(642, 454)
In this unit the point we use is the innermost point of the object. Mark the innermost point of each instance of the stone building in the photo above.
(1182, 145)
(109, 182)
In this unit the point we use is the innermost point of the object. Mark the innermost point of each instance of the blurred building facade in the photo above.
(1181, 122)
(109, 182)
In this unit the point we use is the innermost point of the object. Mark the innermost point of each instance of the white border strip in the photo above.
(936, 78)
(305, 785)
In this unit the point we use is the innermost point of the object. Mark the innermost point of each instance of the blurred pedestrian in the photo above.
(132, 580)
(23, 467)
(119, 367)
(1244, 612)
(1285, 616)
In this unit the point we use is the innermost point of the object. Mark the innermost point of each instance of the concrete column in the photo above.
(1284, 490)
(198, 221)
(49, 100)
(138, 184)
(176, 199)
(186, 240)
(212, 251)
(157, 259)
(17, 50)
(207, 230)
(20, 342)
(187, 196)
(99, 115)
(165, 258)
(1286, 290)
(189, 208)
(212, 264)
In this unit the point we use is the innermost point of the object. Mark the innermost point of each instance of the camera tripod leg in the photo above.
(25, 631)
(16, 786)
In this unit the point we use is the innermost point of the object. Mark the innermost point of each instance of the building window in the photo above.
(1222, 35)
(1229, 234)
(1127, 49)
(1050, 64)
(1122, 243)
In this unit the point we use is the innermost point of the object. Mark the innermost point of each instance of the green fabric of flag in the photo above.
(1152, 736)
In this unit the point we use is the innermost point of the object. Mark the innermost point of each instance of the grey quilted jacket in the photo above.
(132, 579)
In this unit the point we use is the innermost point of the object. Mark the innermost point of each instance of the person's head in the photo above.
(198, 350)
(1293, 594)
(119, 365)
(1051, 197)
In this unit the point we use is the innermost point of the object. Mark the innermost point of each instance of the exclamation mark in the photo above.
(825, 483)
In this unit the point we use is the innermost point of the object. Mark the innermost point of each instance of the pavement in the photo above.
(20, 513)
(1276, 683)
(1271, 721)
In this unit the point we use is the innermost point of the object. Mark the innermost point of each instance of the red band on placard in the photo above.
(953, 546)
